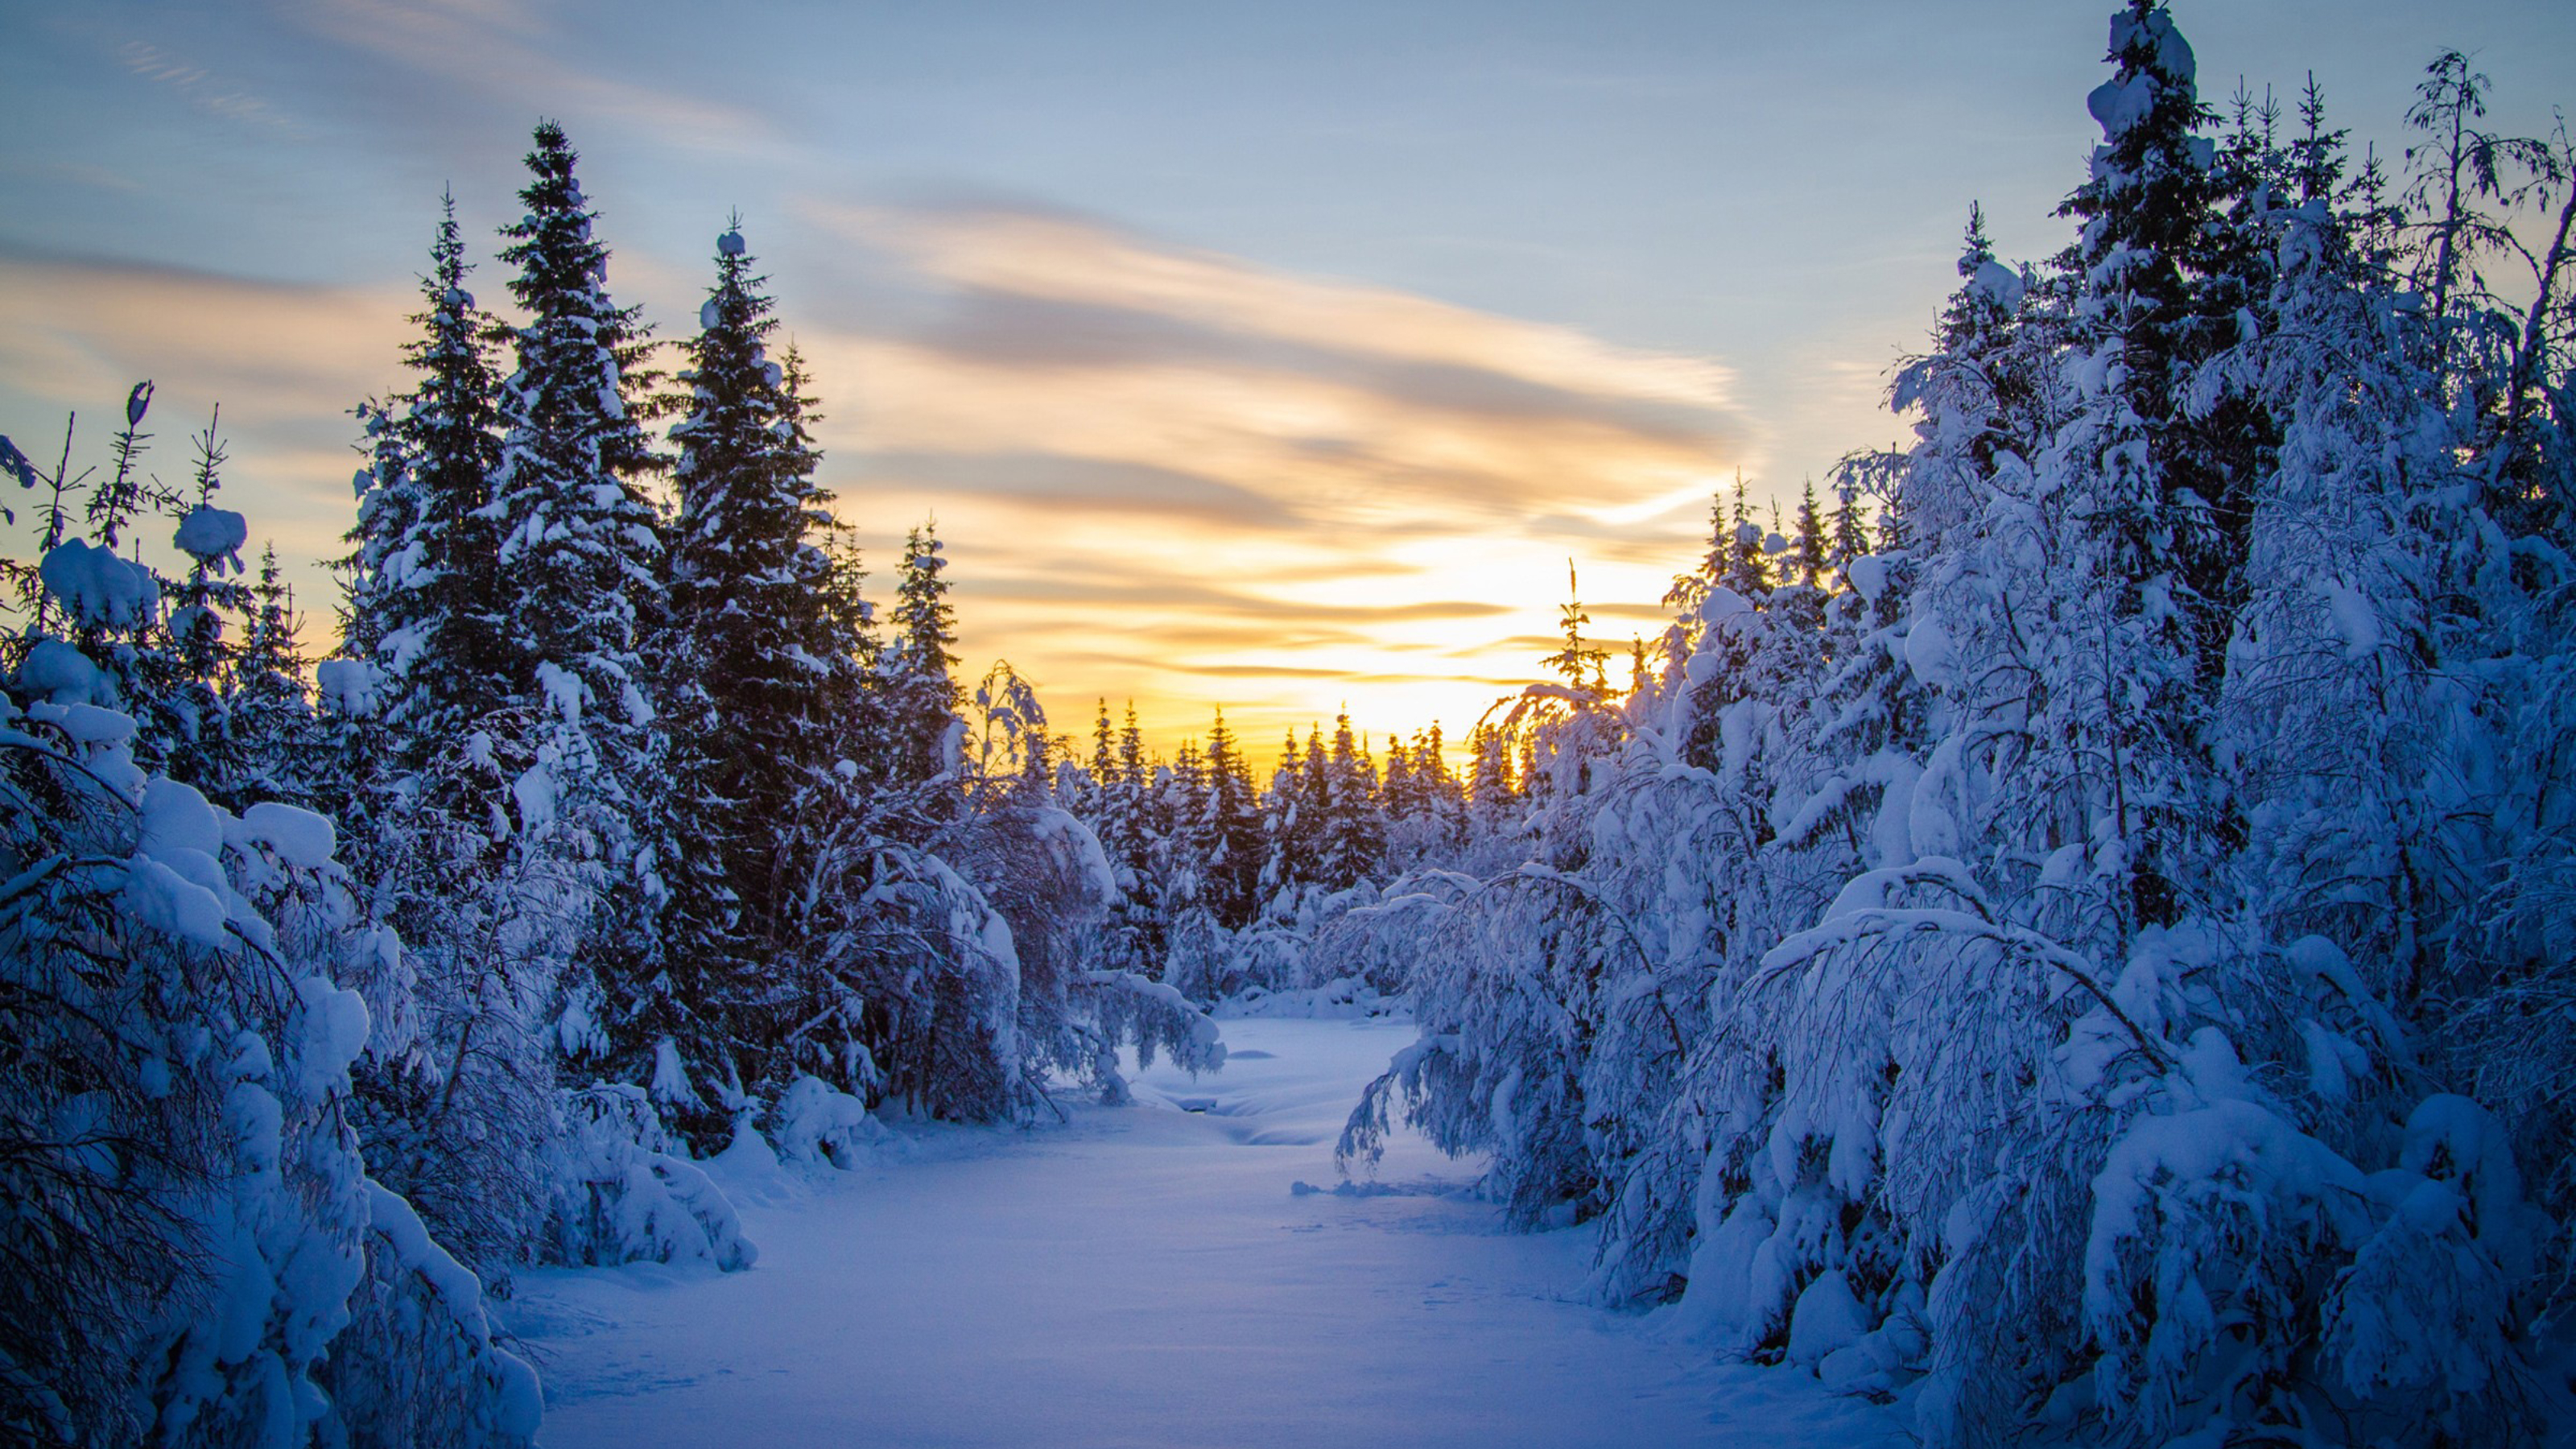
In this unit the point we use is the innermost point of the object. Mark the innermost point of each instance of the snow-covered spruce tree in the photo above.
(1217, 831)
(428, 585)
(580, 551)
(923, 730)
(1288, 819)
(1115, 804)
(427, 739)
(276, 731)
(746, 696)
(1353, 827)
(1426, 804)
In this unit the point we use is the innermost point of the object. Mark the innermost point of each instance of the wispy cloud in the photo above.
(213, 94)
(510, 52)
(285, 362)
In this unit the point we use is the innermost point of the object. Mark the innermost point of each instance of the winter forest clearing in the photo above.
(1154, 1274)
(2062, 938)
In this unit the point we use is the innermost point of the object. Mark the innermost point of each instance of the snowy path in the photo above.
(1146, 1277)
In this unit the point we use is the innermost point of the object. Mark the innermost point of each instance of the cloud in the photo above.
(1161, 465)
(1050, 480)
(76, 329)
(504, 51)
(285, 362)
(215, 95)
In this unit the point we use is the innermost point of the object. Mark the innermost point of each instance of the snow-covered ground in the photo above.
(1147, 1276)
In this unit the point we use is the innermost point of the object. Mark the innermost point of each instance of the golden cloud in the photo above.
(1163, 473)
(285, 362)
(1205, 479)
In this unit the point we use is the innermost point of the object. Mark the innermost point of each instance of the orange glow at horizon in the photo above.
(1163, 476)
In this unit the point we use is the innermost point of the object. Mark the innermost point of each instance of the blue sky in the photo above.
(1267, 355)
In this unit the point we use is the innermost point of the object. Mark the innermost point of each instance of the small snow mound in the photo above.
(197, 621)
(100, 589)
(347, 686)
(2120, 104)
(212, 536)
(1827, 1317)
(175, 817)
(86, 724)
(59, 671)
(730, 244)
(1721, 605)
(1998, 284)
(1927, 649)
(820, 1125)
(1868, 575)
(299, 837)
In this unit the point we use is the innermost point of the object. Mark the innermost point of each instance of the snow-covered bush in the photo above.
(231, 1209)
(625, 1198)
(190, 988)
(417, 1363)
(817, 1124)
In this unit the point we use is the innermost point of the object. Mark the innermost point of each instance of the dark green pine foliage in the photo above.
(747, 657)
(580, 554)
(425, 594)
(917, 678)
(1227, 836)
(272, 711)
(1354, 829)
(2161, 289)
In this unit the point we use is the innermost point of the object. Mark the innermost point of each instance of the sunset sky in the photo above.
(1275, 357)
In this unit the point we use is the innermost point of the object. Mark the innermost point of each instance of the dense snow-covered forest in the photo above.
(2066, 934)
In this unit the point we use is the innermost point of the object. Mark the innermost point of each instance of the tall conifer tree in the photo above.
(425, 605)
(580, 553)
(749, 650)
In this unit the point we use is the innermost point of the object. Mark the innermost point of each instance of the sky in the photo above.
(1273, 357)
